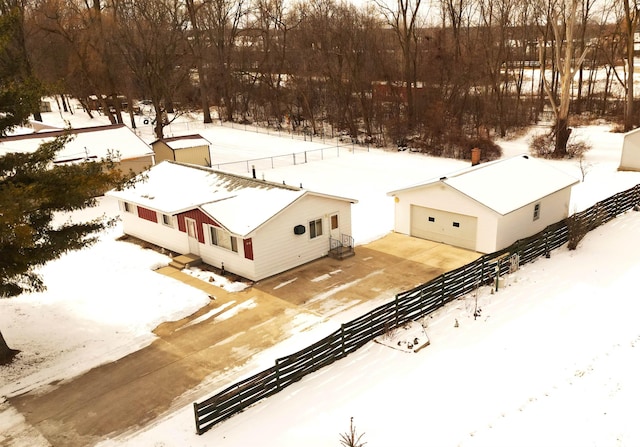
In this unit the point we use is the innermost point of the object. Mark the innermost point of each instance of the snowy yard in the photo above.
(553, 360)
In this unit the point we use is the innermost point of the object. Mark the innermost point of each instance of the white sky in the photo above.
(553, 360)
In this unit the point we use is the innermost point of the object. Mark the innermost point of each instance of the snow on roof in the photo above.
(240, 204)
(87, 143)
(185, 142)
(505, 185)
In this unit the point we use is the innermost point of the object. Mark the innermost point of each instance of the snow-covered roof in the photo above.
(87, 143)
(184, 142)
(505, 185)
(239, 204)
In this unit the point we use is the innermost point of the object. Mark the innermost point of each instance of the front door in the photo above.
(192, 233)
(334, 226)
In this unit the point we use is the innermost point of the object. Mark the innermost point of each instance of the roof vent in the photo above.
(526, 157)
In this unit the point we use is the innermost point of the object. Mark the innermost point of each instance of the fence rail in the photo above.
(406, 306)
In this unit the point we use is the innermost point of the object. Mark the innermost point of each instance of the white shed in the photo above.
(630, 158)
(486, 207)
(254, 228)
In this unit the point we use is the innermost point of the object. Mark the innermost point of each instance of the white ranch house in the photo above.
(115, 141)
(250, 227)
(486, 207)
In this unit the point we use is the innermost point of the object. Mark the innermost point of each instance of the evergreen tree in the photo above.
(32, 191)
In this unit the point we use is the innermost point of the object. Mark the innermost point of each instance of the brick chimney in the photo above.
(475, 156)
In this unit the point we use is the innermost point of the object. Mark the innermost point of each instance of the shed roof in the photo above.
(239, 204)
(504, 185)
(184, 141)
(87, 143)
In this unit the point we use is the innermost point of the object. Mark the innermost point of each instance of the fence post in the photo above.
(278, 374)
(396, 300)
(342, 338)
(547, 253)
(442, 288)
(195, 414)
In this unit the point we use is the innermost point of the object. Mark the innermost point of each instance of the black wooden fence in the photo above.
(407, 306)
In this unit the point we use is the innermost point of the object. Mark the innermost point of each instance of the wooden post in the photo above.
(195, 413)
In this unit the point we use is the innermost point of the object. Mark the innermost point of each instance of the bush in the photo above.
(544, 145)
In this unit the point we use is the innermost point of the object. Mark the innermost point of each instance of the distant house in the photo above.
(88, 143)
(486, 207)
(253, 228)
(630, 158)
(193, 149)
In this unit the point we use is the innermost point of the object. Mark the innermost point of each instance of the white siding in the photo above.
(233, 262)
(441, 197)
(275, 246)
(630, 158)
(157, 233)
(520, 224)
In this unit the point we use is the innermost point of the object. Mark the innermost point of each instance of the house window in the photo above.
(536, 211)
(456, 224)
(432, 219)
(127, 207)
(221, 238)
(315, 228)
(166, 220)
(334, 222)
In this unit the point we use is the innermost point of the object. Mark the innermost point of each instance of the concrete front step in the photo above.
(185, 261)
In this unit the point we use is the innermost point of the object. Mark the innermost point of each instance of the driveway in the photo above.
(344, 289)
(193, 357)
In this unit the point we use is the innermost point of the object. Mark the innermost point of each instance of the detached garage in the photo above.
(486, 207)
(630, 158)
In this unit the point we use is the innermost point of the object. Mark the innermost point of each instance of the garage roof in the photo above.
(239, 204)
(505, 185)
(184, 141)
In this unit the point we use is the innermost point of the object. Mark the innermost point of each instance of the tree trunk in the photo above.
(6, 353)
(562, 137)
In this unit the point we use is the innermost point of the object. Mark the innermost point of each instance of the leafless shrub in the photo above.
(577, 229)
(351, 438)
(543, 146)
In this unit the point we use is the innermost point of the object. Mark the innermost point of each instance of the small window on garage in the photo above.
(456, 224)
(315, 228)
(432, 219)
(128, 207)
(166, 220)
(536, 211)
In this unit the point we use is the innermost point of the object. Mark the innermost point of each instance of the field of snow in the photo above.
(552, 361)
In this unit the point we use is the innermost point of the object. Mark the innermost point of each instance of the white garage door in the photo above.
(440, 226)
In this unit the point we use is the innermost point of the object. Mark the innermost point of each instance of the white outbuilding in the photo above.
(630, 158)
(250, 227)
(486, 207)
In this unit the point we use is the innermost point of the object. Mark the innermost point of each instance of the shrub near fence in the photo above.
(407, 306)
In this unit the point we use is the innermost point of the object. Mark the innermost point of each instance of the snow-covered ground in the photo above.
(552, 361)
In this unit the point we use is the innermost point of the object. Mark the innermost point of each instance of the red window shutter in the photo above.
(147, 214)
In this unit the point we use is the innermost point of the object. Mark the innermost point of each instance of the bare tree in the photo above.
(562, 17)
(195, 41)
(631, 19)
(222, 22)
(404, 20)
(150, 38)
